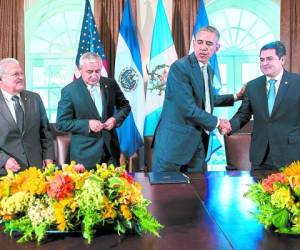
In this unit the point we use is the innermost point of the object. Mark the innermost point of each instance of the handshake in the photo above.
(224, 126)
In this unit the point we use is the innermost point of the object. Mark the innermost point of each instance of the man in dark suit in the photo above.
(181, 138)
(91, 107)
(273, 100)
(25, 137)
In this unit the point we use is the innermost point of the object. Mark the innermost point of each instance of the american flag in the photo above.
(90, 39)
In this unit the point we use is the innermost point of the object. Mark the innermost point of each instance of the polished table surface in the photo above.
(209, 213)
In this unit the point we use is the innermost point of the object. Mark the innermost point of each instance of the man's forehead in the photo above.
(206, 36)
(267, 53)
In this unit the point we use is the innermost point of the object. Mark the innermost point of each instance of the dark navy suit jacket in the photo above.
(281, 130)
(183, 118)
(76, 108)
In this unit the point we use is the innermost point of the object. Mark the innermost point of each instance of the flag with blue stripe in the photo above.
(202, 21)
(90, 39)
(162, 55)
(128, 74)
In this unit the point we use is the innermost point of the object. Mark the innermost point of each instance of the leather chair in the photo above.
(237, 147)
(63, 149)
(61, 145)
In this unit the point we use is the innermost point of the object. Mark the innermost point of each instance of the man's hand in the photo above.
(240, 94)
(110, 123)
(95, 126)
(224, 127)
(46, 162)
(12, 165)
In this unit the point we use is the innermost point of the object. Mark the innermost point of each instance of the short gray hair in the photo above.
(4, 62)
(211, 29)
(87, 57)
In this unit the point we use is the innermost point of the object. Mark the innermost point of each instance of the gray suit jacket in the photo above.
(281, 130)
(35, 143)
(183, 118)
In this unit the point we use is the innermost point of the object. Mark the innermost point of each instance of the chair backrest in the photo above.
(237, 148)
(63, 149)
(61, 145)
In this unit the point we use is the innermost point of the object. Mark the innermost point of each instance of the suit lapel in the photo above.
(27, 108)
(199, 81)
(5, 112)
(104, 96)
(261, 95)
(283, 87)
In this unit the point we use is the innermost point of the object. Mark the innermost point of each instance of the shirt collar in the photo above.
(7, 96)
(202, 64)
(277, 78)
(91, 86)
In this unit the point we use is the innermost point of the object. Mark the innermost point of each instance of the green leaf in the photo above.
(280, 218)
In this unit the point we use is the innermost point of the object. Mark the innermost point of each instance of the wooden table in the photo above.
(209, 213)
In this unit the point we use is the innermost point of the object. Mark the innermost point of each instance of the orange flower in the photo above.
(127, 177)
(60, 187)
(272, 179)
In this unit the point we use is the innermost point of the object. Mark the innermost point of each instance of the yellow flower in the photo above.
(292, 169)
(126, 212)
(108, 209)
(282, 198)
(31, 180)
(60, 214)
(5, 188)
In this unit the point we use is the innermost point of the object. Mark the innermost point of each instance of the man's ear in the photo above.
(282, 59)
(217, 47)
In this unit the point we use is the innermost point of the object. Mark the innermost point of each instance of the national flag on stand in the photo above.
(90, 39)
(162, 55)
(202, 20)
(128, 74)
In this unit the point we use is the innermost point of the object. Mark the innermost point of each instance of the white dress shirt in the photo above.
(10, 103)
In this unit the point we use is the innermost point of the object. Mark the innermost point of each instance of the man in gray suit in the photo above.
(181, 138)
(91, 107)
(25, 137)
(273, 100)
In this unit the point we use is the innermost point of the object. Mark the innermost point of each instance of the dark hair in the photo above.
(278, 46)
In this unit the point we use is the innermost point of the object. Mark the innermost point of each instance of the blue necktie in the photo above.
(96, 95)
(271, 95)
(19, 112)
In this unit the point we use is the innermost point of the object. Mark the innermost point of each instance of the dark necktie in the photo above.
(206, 86)
(271, 95)
(19, 112)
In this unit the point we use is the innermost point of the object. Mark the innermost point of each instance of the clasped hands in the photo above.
(96, 126)
(224, 126)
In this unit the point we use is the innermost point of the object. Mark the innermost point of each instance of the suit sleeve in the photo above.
(45, 133)
(223, 100)
(243, 115)
(66, 119)
(180, 90)
(122, 105)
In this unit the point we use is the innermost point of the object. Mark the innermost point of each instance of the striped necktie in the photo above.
(19, 112)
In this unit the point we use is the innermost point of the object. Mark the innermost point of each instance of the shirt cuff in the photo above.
(218, 123)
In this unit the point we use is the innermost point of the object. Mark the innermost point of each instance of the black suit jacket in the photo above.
(76, 108)
(32, 146)
(281, 130)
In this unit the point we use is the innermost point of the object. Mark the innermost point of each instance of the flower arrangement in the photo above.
(278, 200)
(36, 201)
